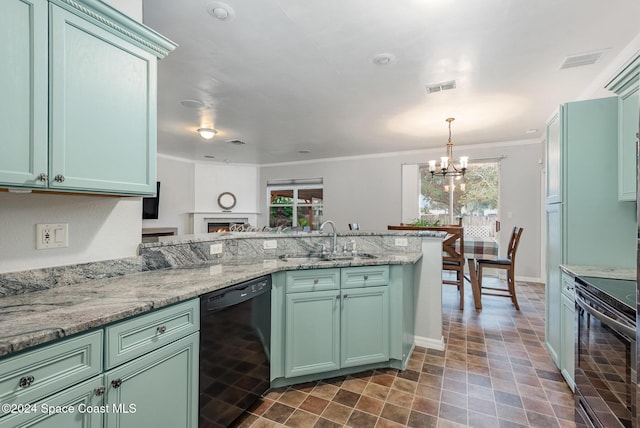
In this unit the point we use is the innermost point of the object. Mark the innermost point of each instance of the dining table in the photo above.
(478, 248)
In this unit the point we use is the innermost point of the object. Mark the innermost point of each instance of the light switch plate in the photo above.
(270, 244)
(215, 249)
(401, 242)
(52, 236)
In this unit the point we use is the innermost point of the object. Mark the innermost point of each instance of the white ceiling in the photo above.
(291, 75)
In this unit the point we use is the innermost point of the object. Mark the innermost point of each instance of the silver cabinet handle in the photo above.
(116, 383)
(42, 177)
(366, 277)
(345, 296)
(316, 281)
(58, 178)
(162, 329)
(25, 381)
(99, 391)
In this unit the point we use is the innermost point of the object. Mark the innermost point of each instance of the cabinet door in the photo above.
(83, 399)
(365, 326)
(554, 284)
(23, 89)
(159, 389)
(568, 340)
(554, 164)
(102, 108)
(312, 338)
(627, 142)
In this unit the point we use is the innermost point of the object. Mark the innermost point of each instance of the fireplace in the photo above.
(221, 226)
(211, 222)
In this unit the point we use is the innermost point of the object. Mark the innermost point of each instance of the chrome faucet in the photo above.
(334, 247)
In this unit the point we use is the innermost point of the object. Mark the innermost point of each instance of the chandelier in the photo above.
(447, 166)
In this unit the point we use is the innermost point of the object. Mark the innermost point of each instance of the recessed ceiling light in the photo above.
(383, 59)
(194, 104)
(207, 133)
(221, 11)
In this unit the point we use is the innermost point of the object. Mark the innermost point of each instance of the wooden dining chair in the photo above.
(508, 263)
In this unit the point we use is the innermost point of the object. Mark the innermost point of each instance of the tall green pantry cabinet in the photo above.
(78, 111)
(587, 224)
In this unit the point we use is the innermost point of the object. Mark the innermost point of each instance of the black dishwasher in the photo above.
(235, 336)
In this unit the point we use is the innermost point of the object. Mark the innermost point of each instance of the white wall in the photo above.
(211, 179)
(100, 228)
(368, 191)
(176, 178)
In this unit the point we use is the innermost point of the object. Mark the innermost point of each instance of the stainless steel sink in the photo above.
(311, 258)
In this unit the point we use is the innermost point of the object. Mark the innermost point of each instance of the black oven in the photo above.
(605, 352)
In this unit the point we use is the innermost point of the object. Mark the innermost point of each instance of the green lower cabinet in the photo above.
(365, 326)
(159, 389)
(336, 321)
(76, 407)
(312, 338)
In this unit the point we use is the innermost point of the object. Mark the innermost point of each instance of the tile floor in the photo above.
(495, 372)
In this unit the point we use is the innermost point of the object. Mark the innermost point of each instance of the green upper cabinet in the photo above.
(625, 84)
(23, 85)
(86, 97)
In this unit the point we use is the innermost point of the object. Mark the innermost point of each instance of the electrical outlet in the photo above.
(270, 244)
(401, 242)
(52, 236)
(215, 249)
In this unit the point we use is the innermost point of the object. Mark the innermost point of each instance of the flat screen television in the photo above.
(150, 205)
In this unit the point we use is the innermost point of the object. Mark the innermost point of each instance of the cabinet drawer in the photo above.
(50, 369)
(568, 286)
(138, 336)
(312, 280)
(365, 276)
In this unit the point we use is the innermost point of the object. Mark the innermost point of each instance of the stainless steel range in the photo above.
(605, 352)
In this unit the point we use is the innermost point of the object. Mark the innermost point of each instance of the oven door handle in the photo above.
(628, 331)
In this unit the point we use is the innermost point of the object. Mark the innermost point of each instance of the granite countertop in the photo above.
(34, 318)
(600, 272)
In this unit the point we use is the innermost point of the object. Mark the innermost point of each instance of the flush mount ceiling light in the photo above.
(193, 104)
(447, 167)
(207, 133)
(383, 59)
(221, 11)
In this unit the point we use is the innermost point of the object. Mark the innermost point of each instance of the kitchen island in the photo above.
(175, 269)
(112, 341)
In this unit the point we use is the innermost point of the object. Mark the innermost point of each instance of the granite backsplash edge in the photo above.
(193, 250)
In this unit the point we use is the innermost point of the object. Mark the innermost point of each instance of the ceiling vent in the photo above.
(581, 59)
(442, 86)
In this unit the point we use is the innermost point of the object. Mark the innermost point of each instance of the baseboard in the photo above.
(501, 275)
(427, 342)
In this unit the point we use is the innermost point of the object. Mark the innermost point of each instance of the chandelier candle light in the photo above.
(447, 167)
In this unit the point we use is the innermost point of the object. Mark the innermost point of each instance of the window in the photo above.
(295, 204)
(473, 197)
